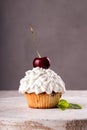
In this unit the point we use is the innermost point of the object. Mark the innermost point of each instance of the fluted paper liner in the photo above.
(43, 100)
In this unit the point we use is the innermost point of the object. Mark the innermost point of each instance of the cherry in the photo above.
(42, 62)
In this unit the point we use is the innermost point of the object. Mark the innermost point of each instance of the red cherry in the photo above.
(42, 62)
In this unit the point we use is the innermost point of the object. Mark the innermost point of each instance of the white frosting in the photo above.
(39, 80)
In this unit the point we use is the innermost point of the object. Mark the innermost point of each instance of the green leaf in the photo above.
(63, 104)
(75, 106)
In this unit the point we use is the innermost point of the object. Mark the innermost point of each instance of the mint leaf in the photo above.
(64, 104)
(75, 106)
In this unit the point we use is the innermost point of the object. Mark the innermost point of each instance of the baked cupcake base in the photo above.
(43, 100)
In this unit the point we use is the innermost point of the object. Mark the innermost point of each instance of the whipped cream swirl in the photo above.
(39, 80)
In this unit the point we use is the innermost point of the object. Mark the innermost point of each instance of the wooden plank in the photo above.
(15, 114)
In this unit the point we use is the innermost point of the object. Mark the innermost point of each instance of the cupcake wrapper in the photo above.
(42, 100)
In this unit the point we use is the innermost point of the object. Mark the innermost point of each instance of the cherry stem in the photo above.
(34, 41)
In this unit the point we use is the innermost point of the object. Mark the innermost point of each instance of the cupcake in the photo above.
(41, 86)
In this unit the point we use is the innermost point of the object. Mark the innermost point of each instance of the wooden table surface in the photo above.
(15, 114)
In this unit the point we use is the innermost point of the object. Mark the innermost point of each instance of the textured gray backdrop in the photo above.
(61, 34)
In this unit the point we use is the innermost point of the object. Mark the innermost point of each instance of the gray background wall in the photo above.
(61, 34)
